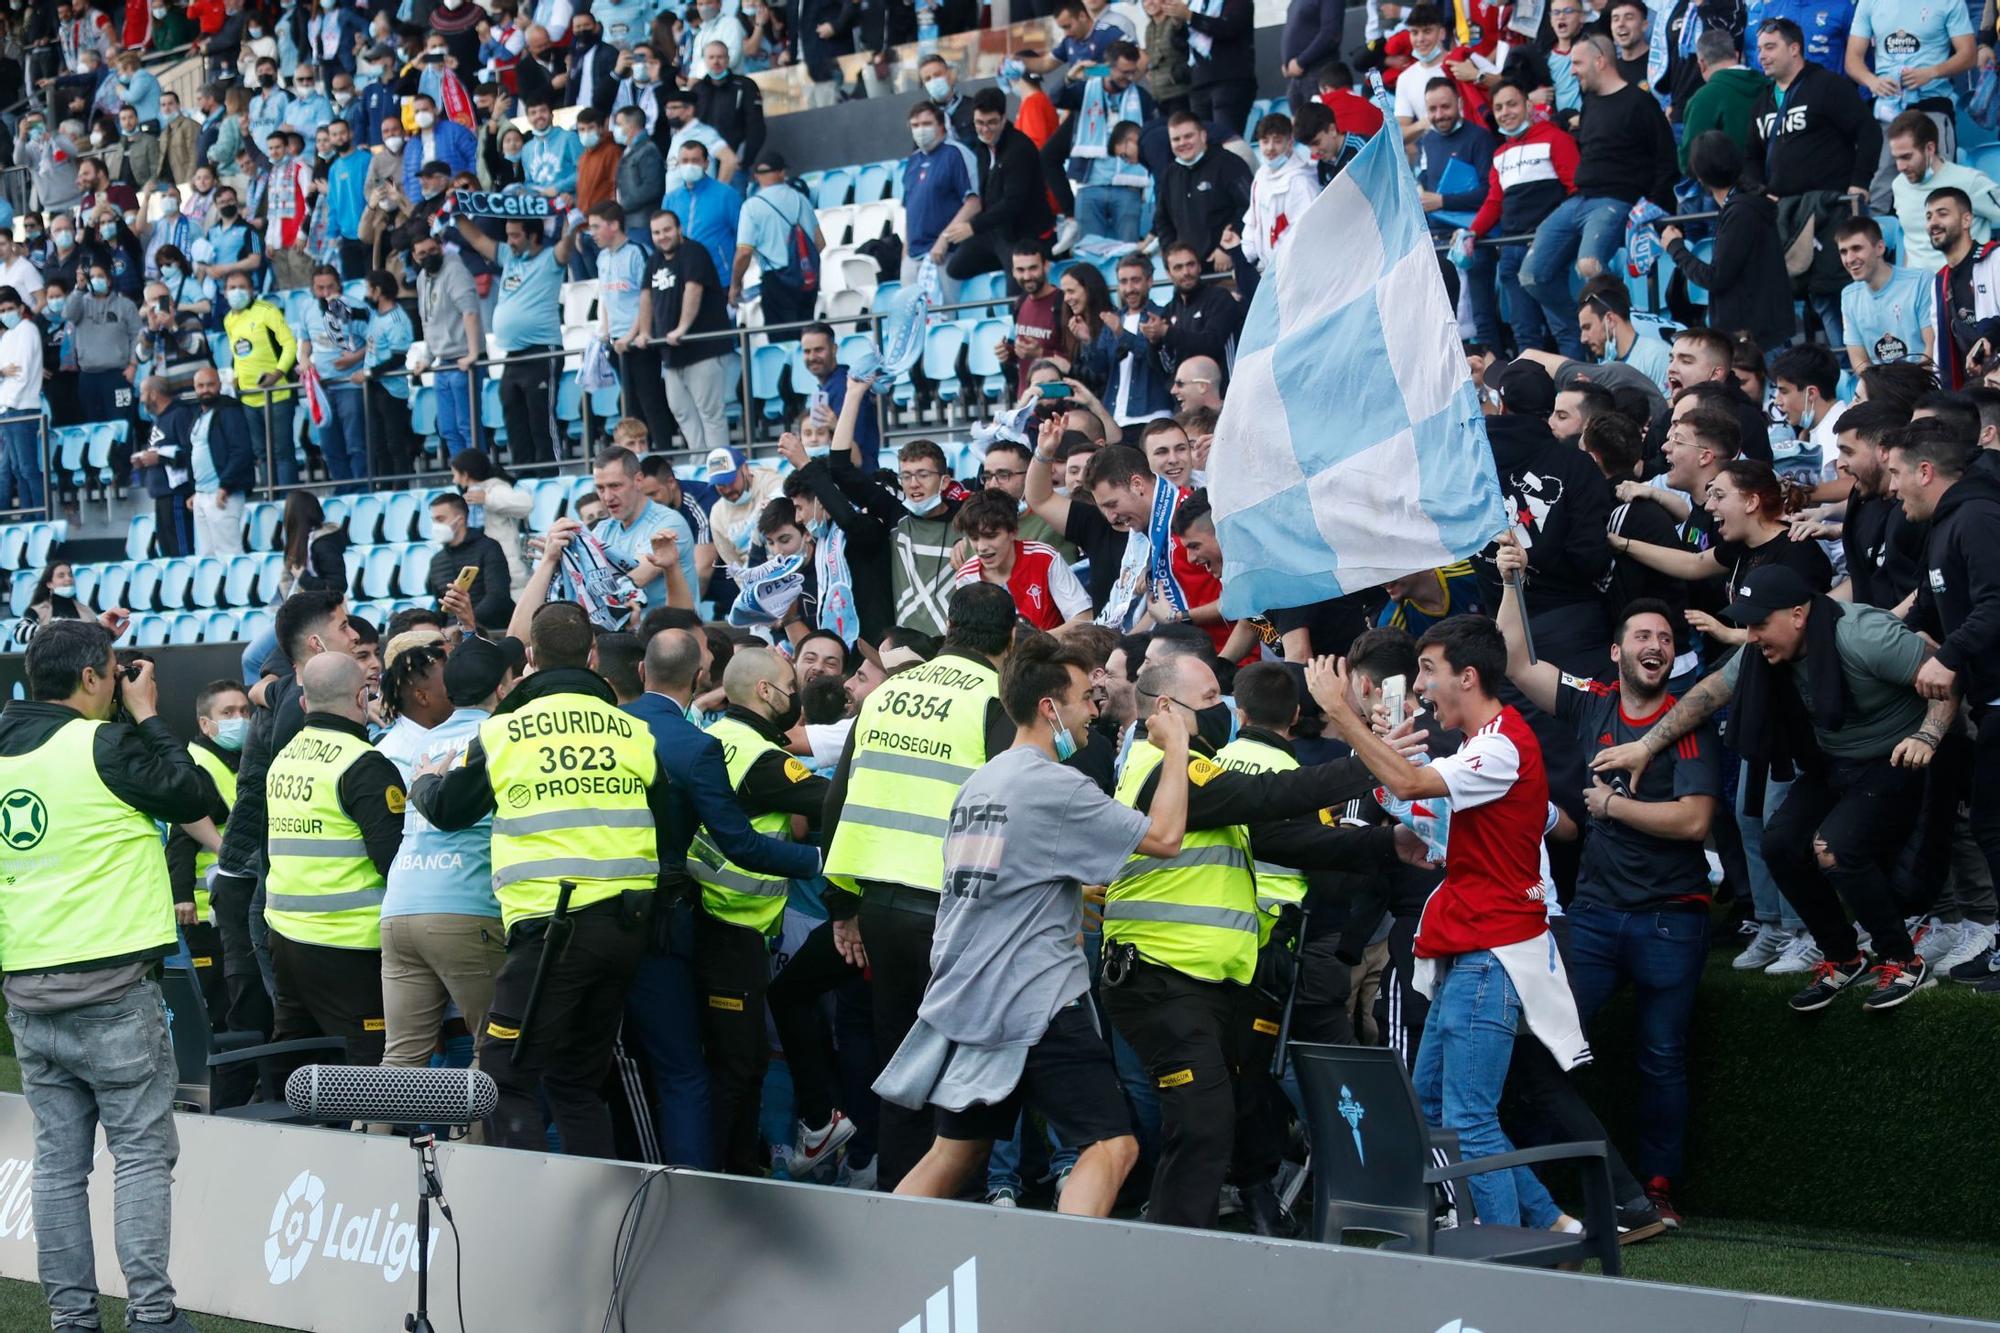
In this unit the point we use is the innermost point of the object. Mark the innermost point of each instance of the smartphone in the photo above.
(1055, 391)
(1395, 695)
(465, 578)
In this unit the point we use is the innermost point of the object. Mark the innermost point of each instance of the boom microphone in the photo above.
(383, 1095)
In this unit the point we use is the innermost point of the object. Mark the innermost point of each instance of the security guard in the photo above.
(741, 909)
(85, 917)
(1181, 935)
(334, 808)
(576, 795)
(222, 713)
(917, 738)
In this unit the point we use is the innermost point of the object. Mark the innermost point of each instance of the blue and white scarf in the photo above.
(836, 582)
(1160, 531)
(1094, 123)
(767, 591)
(1656, 53)
(1201, 44)
(1148, 559)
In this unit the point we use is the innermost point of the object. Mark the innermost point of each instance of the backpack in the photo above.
(801, 270)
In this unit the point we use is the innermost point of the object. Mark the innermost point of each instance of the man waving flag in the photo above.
(1351, 449)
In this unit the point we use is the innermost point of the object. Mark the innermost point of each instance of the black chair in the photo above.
(1373, 1168)
(200, 1052)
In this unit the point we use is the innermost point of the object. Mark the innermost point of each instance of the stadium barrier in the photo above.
(313, 1229)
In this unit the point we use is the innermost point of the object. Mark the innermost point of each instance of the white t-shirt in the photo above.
(1410, 87)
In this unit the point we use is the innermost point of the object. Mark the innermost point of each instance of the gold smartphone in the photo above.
(465, 578)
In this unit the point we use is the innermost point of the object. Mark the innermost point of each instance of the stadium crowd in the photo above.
(954, 784)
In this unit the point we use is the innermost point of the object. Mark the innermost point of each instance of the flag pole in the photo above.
(1520, 586)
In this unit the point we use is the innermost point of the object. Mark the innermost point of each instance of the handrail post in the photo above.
(743, 367)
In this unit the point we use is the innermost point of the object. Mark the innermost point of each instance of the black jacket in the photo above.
(1558, 498)
(1826, 139)
(1885, 550)
(868, 550)
(1625, 148)
(1746, 280)
(1202, 324)
(733, 108)
(1958, 595)
(1233, 55)
(492, 597)
(1013, 199)
(778, 782)
(271, 729)
(143, 764)
(370, 791)
(1196, 204)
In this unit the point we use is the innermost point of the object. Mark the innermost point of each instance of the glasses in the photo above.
(1004, 473)
(923, 474)
(1189, 384)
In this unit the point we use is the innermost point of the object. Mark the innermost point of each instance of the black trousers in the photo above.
(1263, 1115)
(785, 303)
(1227, 103)
(646, 394)
(732, 971)
(1325, 982)
(356, 258)
(1185, 1034)
(899, 957)
(526, 409)
(1865, 810)
(173, 524)
(325, 992)
(794, 1001)
(983, 252)
(392, 444)
(249, 1004)
(574, 1024)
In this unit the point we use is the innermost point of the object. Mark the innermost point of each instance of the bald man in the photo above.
(334, 823)
(165, 460)
(1198, 383)
(664, 1012)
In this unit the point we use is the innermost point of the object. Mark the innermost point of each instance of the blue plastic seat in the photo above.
(185, 628)
(364, 518)
(401, 512)
(70, 444)
(262, 519)
(150, 631)
(378, 571)
(239, 580)
(19, 593)
(103, 436)
(111, 586)
(205, 587)
(42, 541)
(547, 503)
(219, 627)
(413, 568)
(1986, 159)
(334, 509)
(944, 344)
(86, 583)
(490, 415)
(270, 577)
(250, 624)
(143, 591)
(871, 183)
(833, 188)
(883, 291)
(767, 371)
(139, 537)
(607, 403)
(423, 410)
(13, 545)
(982, 359)
(175, 576)
(1892, 232)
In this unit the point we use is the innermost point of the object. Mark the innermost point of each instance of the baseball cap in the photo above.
(408, 639)
(721, 465)
(473, 672)
(1764, 590)
(1526, 389)
(770, 160)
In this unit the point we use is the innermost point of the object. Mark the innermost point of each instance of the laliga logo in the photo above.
(299, 1219)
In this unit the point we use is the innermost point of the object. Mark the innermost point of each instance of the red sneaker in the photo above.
(1659, 1190)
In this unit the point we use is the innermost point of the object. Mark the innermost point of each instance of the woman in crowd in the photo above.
(54, 598)
(497, 505)
(315, 550)
(1086, 305)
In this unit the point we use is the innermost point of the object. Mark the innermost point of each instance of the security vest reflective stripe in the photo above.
(1276, 884)
(569, 775)
(1195, 912)
(322, 887)
(83, 876)
(204, 860)
(920, 735)
(728, 891)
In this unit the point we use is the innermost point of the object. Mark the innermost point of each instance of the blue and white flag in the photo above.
(1351, 449)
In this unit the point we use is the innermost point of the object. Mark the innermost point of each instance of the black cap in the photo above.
(515, 652)
(1764, 590)
(1526, 389)
(472, 673)
(770, 160)
(672, 93)
(435, 167)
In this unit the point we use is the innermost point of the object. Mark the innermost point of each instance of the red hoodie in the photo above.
(1531, 175)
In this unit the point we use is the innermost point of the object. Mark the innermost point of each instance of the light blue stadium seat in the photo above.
(883, 291)
(606, 404)
(112, 587)
(490, 415)
(13, 545)
(205, 586)
(86, 583)
(1705, 251)
(423, 410)
(569, 397)
(413, 567)
(1892, 233)
(263, 519)
(239, 580)
(580, 489)
(767, 370)
(1986, 158)
(43, 538)
(150, 631)
(378, 572)
(981, 359)
(103, 436)
(219, 627)
(401, 512)
(71, 444)
(270, 577)
(20, 591)
(185, 628)
(354, 557)
(334, 509)
(364, 518)
(852, 346)
(871, 183)
(175, 576)
(139, 537)
(944, 344)
(833, 189)
(143, 590)
(548, 503)
(250, 624)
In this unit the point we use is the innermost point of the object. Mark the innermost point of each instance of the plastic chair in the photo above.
(251, 624)
(400, 512)
(175, 576)
(883, 292)
(548, 504)
(70, 444)
(13, 545)
(1986, 158)
(871, 184)
(205, 587)
(1892, 232)
(413, 567)
(833, 188)
(103, 436)
(423, 411)
(111, 586)
(490, 415)
(239, 580)
(142, 592)
(607, 404)
(767, 370)
(185, 628)
(364, 519)
(334, 508)
(139, 537)
(270, 577)
(262, 520)
(150, 631)
(42, 541)
(378, 571)
(20, 594)
(86, 583)
(944, 344)
(219, 627)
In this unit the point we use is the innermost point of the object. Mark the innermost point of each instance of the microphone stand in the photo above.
(428, 1187)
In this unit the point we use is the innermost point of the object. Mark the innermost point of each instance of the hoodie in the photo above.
(1531, 175)
(1745, 273)
(1470, 143)
(1723, 103)
(1958, 597)
(1557, 498)
(1825, 138)
(1279, 193)
(1985, 309)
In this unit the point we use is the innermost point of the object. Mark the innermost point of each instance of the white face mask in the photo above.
(442, 533)
(937, 87)
(394, 143)
(426, 119)
(925, 505)
(926, 137)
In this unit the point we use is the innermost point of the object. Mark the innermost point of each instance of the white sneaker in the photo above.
(1765, 946)
(1934, 939)
(816, 1149)
(1973, 940)
(1068, 232)
(1800, 954)
(857, 1178)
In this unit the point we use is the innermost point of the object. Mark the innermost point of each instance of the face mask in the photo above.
(788, 719)
(170, 204)
(925, 505)
(937, 88)
(589, 139)
(342, 98)
(266, 81)
(583, 41)
(97, 138)
(1426, 56)
(10, 318)
(433, 191)
(239, 297)
(35, 133)
(641, 74)
(426, 119)
(1065, 743)
(926, 137)
(170, 272)
(1271, 160)
(441, 533)
(394, 143)
(431, 264)
(516, 156)
(708, 12)
(63, 589)
(230, 731)
(100, 286)
(307, 89)
(228, 212)
(159, 11)
(55, 305)
(818, 451)
(1516, 132)
(620, 135)
(1216, 724)
(1190, 161)
(108, 230)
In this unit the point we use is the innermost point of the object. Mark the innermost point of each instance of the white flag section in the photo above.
(1351, 449)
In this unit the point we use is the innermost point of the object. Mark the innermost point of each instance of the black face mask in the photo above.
(788, 719)
(267, 81)
(431, 263)
(1213, 725)
(227, 212)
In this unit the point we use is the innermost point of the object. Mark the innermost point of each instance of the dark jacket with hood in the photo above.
(1557, 498)
(1958, 594)
(1745, 276)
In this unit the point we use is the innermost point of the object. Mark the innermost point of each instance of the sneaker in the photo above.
(1639, 1220)
(1800, 955)
(1004, 1198)
(1896, 982)
(1863, 941)
(1062, 1180)
(1068, 232)
(815, 1149)
(1990, 986)
(854, 1177)
(1977, 968)
(1934, 939)
(1829, 979)
(1659, 1192)
(1974, 941)
(1765, 946)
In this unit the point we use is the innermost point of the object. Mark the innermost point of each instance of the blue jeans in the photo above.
(1773, 908)
(1661, 954)
(1003, 1165)
(343, 440)
(455, 423)
(20, 465)
(1524, 315)
(1461, 1064)
(1110, 210)
(1827, 305)
(662, 1020)
(257, 650)
(1142, 1097)
(1580, 228)
(1481, 295)
(109, 1064)
(280, 417)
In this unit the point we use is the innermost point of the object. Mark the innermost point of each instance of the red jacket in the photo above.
(1531, 175)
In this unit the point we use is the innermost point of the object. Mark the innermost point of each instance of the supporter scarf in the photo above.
(1769, 724)
(1160, 533)
(1094, 121)
(1201, 43)
(587, 576)
(905, 321)
(443, 87)
(513, 202)
(1657, 55)
(316, 405)
(766, 592)
(836, 583)
(1128, 600)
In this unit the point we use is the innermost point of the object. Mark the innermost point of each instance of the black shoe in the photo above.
(1266, 1216)
(1990, 986)
(1639, 1220)
(1976, 969)
(1897, 982)
(1828, 980)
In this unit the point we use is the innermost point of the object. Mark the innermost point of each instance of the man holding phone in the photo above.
(470, 561)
